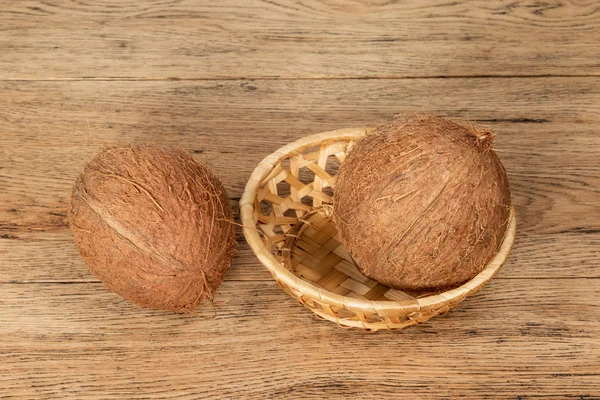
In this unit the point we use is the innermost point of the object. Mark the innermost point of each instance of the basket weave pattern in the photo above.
(286, 213)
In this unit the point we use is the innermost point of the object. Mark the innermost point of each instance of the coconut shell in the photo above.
(422, 203)
(153, 225)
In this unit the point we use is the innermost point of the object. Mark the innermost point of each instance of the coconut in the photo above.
(422, 203)
(153, 225)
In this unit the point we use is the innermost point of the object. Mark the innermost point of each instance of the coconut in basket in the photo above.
(422, 203)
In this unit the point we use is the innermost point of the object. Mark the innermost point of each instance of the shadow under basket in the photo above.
(286, 213)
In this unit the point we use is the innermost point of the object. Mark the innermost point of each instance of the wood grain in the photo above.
(551, 152)
(47, 257)
(532, 333)
(515, 340)
(189, 39)
(231, 82)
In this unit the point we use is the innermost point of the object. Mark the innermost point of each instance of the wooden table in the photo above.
(231, 81)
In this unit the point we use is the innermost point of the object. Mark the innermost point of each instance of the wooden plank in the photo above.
(52, 257)
(519, 338)
(284, 38)
(215, 120)
(551, 152)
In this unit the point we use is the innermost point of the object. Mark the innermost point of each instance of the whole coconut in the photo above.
(154, 225)
(422, 203)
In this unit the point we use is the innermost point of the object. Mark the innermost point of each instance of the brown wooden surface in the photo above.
(186, 39)
(233, 81)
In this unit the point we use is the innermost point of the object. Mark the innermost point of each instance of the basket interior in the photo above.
(293, 212)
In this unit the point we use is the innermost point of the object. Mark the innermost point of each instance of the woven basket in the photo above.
(286, 214)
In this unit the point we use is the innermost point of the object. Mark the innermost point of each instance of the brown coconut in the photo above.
(154, 225)
(422, 203)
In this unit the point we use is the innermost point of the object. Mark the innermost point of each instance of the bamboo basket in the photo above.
(286, 217)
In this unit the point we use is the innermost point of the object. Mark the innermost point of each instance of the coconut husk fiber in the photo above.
(422, 203)
(154, 225)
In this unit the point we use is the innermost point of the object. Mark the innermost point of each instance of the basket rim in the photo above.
(285, 276)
